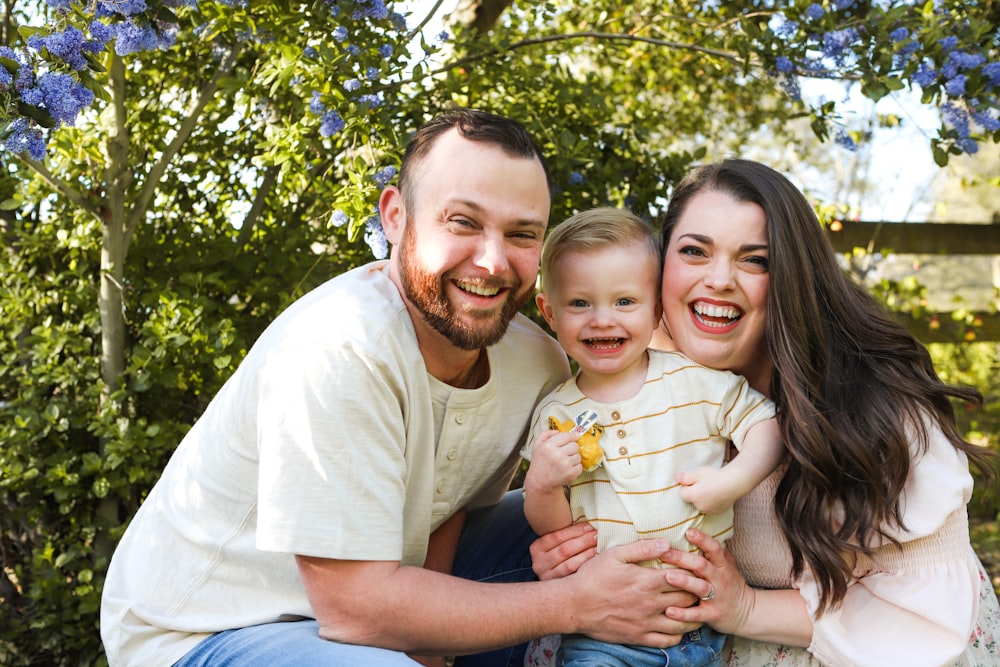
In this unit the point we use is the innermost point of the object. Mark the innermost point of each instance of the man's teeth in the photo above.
(703, 310)
(481, 290)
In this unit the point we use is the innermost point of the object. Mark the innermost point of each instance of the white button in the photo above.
(440, 488)
(460, 418)
(452, 454)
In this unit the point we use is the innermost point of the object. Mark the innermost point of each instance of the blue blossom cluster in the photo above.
(24, 138)
(384, 176)
(375, 237)
(576, 178)
(44, 76)
(373, 9)
(331, 122)
(967, 82)
(844, 140)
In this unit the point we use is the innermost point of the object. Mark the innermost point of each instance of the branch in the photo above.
(60, 186)
(430, 14)
(726, 55)
(188, 126)
(266, 185)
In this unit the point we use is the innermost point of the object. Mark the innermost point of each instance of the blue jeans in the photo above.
(493, 547)
(700, 648)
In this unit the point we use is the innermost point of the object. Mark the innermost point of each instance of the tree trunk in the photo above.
(111, 300)
(479, 14)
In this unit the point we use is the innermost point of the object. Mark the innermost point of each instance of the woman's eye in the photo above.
(691, 250)
(758, 260)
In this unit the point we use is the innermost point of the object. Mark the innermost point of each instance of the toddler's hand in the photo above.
(708, 489)
(555, 460)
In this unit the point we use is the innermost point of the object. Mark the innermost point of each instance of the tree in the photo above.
(175, 174)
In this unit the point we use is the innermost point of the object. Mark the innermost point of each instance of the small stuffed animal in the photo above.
(591, 454)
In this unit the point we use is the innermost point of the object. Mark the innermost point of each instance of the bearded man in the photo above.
(343, 500)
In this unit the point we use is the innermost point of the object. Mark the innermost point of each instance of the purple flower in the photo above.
(375, 237)
(25, 139)
(963, 61)
(316, 105)
(130, 38)
(924, 76)
(898, 35)
(385, 51)
(783, 64)
(842, 4)
(101, 32)
(835, 41)
(443, 37)
(331, 124)
(124, 7)
(845, 141)
(957, 117)
(66, 46)
(791, 86)
(340, 33)
(986, 121)
(786, 29)
(992, 72)
(351, 85)
(398, 21)
(372, 73)
(383, 177)
(967, 145)
(6, 78)
(576, 178)
(63, 96)
(956, 86)
(339, 218)
(309, 52)
(815, 11)
(371, 100)
(948, 43)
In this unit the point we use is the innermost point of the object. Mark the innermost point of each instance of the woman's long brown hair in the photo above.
(852, 386)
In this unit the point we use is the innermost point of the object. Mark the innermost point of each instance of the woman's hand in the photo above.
(562, 552)
(726, 599)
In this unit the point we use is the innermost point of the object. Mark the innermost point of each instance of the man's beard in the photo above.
(426, 291)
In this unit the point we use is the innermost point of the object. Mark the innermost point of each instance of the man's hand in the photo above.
(621, 602)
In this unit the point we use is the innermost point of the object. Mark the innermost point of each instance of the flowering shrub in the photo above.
(951, 57)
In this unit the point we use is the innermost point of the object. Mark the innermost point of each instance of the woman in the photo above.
(856, 552)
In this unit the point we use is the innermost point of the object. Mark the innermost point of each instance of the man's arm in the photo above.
(381, 603)
(443, 543)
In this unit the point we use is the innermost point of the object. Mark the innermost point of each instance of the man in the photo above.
(312, 515)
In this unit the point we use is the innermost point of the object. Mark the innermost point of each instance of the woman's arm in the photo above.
(778, 616)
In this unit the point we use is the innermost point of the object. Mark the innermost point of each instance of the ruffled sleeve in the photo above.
(915, 604)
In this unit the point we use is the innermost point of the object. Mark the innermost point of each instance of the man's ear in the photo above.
(393, 213)
(545, 308)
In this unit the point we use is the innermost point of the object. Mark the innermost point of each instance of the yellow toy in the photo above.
(589, 441)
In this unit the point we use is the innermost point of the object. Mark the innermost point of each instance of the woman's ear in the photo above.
(393, 214)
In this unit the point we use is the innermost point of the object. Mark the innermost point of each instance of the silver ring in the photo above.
(711, 593)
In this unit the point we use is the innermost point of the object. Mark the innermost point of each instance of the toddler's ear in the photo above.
(545, 308)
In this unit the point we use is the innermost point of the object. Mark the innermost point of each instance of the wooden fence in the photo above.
(931, 239)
